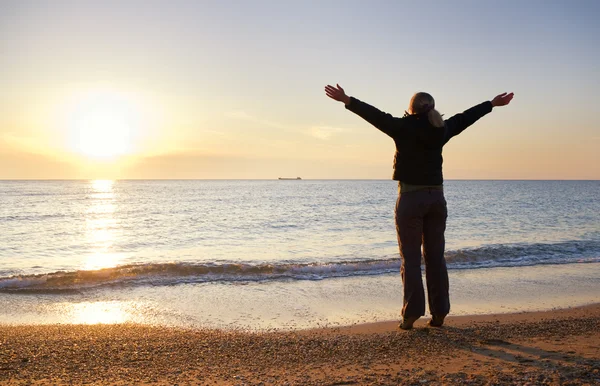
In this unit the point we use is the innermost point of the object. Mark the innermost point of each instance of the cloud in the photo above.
(191, 165)
(244, 116)
(324, 132)
(216, 132)
(34, 166)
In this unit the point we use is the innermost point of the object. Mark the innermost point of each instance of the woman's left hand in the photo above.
(502, 99)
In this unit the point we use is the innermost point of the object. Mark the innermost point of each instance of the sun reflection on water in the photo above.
(101, 226)
(102, 185)
(108, 312)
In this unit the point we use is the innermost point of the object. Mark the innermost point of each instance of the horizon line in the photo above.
(277, 179)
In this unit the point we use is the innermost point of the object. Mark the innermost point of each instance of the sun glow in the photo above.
(103, 124)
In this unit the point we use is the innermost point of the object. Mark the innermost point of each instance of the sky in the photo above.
(234, 89)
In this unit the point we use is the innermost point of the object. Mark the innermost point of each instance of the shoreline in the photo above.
(548, 347)
(469, 320)
(294, 305)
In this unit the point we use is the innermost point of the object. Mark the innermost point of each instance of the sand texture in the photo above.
(559, 347)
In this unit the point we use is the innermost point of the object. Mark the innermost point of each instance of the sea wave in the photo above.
(37, 217)
(173, 273)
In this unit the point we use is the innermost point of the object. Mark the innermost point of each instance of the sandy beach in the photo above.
(555, 347)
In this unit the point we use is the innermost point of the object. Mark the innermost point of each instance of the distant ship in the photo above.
(286, 178)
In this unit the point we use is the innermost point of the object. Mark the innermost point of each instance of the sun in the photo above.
(103, 125)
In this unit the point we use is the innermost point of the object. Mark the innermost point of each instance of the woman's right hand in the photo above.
(337, 94)
(502, 99)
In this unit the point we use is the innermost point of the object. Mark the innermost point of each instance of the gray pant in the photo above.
(421, 219)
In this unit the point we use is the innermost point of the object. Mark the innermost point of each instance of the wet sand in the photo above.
(555, 347)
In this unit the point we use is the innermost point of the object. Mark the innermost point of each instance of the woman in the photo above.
(421, 207)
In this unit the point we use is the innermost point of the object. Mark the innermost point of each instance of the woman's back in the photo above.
(418, 158)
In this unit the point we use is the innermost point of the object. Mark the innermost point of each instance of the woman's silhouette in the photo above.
(421, 207)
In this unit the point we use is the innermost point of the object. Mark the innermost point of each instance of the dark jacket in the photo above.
(418, 159)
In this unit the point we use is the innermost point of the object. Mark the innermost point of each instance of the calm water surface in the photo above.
(64, 239)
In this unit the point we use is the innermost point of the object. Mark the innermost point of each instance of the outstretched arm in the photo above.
(383, 121)
(459, 122)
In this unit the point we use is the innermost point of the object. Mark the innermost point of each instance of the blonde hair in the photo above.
(423, 102)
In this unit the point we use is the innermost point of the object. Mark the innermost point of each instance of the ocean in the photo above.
(260, 254)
